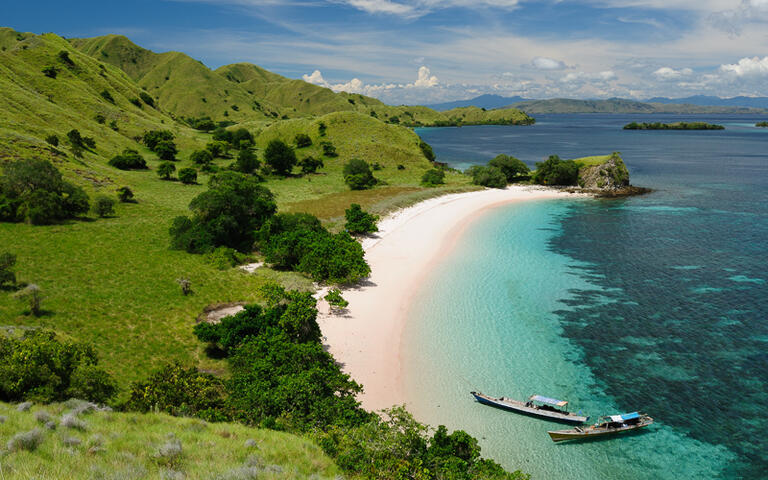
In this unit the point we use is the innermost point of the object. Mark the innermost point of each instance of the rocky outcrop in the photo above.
(609, 175)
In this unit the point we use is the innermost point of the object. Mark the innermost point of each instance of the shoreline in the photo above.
(365, 338)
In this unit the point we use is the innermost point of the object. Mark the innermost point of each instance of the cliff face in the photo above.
(608, 176)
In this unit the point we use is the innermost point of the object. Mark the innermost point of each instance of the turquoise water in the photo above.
(657, 303)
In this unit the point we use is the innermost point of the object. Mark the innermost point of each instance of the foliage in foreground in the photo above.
(555, 171)
(487, 176)
(38, 366)
(360, 221)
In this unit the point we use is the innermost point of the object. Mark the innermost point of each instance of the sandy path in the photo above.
(365, 338)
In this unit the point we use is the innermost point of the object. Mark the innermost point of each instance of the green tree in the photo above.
(104, 206)
(555, 171)
(188, 176)
(302, 140)
(129, 160)
(360, 221)
(165, 170)
(241, 138)
(433, 177)
(201, 157)
(310, 164)
(328, 149)
(358, 175)
(426, 149)
(487, 176)
(166, 150)
(7, 275)
(125, 194)
(218, 148)
(247, 161)
(147, 98)
(223, 135)
(153, 137)
(511, 167)
(280, 157)
(335, 300)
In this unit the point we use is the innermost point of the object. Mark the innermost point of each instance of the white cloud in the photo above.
(418, 8)
(667, 73)
(733, 20)
(424, 80)
(584, 77)
(747, 67)
(546, 63)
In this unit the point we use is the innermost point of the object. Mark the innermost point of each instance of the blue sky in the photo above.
(422, 51)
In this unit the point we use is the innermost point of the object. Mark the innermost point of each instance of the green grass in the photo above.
(593, 160)
(128, 445)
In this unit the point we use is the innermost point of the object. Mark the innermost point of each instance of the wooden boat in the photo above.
(608, 425)
(537, 406)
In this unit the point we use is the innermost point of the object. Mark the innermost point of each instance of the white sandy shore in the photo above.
(365, 338)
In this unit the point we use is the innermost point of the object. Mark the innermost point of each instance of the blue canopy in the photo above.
(549, 401)
(625, 417)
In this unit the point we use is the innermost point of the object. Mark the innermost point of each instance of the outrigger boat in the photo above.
(607, 425)
(537, 406)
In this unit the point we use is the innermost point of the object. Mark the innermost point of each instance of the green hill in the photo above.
(42, 443)
(620, 105)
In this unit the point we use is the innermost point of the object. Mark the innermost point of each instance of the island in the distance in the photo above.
(673, 126)
(762, 124)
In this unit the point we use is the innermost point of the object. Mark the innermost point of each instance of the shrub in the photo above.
(426, 149)
(7, 275)
(28, 441)
(188, 176)
(555, 171)
(64, 57)
(50, 71)
(71, 420)
(218, 149)
(433, 177)
(39, 366)
(511, 167)
(487, 176)
(201, 157)
(125, 194)
(310, 164)
(358, 175)
(153, 137)
(165, 170)
(104, 206)
(222, 134)
(180, 391)
(107, 96)
(52, 140)
(147, 98)
(302, 140)
(100, 119)
(240, 138)
(185, 284)
(321, 129)
(328, 149)
(401, 167)
(41, 416)
(360, 221)
(128, 160)
(280, 157)
(247, 161)
(228, 214)
(335, 300)
(169, 454)
(135, 101)
(79, 141)
(166, 150)
(33, 296)
(204, 124)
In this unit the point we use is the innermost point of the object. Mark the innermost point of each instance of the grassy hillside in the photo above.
(138, 446)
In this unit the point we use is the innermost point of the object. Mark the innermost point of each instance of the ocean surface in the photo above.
(657, 303)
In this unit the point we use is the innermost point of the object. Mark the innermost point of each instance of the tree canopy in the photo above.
(280, 157)
(358, 175)
(511, 167)
(555, 171)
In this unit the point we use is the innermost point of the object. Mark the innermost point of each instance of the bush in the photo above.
(100, 119)
(433, 177)
(359, 221)
(218, 149)
(201, 157)
(64, 57)
(241, 138)
(135, 101)
(511, 167)
(247, 161)
(310, 164)
(38, 366)
(188, 176)
(180, 391)
(31, 294)
(223, 135)
(34, 190)
(79, 141)
(228, 214)
(554, 171)
(147, 98)
(165, 170)
(328, 149)
(28, 441)
(302, 140)
(321, 129)
(50, 71)
(280, 157)
(107, 96)
(128, 160)
(358, 175)
(487, 176)
(426, 149)
(166, 150)
(52, 140)
(104, 206)
(153, 137)
(125, 194)
(7, 275)
(335, 300)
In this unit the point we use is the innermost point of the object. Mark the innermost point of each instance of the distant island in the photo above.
(624, 106)
(761, 124)
(673, 126)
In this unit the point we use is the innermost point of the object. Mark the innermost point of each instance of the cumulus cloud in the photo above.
(546, 63)
(747, 68)
(424, 80)
(584, 77)
(668, 74)
(733, 20)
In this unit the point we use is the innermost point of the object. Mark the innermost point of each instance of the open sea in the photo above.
(657, 303)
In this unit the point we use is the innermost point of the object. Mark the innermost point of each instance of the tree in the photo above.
(125, 194)
(166, 150)
(33, 296)
(50, 71)
(201, 157)
(310, 164)
(555, 171)
(104, 206)
(147, 98)
(280, 157)
(247, 161)
(433, 177)
(223, 135)
(165, 170)
(358, 175)
(335, 300)
(328, 149)
(128, 160)
(217, 148)
(302, 140)
(511, 167)
(188, 176)
(228, 214)
(53, 140)
(360, 221)
(426, 149)
(241, 138)
(153, 137)
(487, 176)
(7, 275)
(80, 141)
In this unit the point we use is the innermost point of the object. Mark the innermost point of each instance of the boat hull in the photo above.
(587, 433)
(520, 407)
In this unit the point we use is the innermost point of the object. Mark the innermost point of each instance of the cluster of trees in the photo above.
(79, 142)
(555, 171)
(673, 126)
(38, 366)
(500, 171)
(129, 160)
(358, 175)
(761, 124)
(433, 177)
(34, 191)
(161, 143)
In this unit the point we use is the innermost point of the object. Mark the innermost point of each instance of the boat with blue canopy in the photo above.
(607, 425)
(536, 406)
